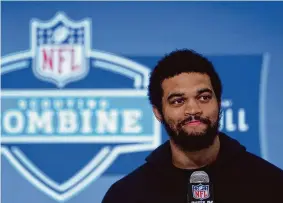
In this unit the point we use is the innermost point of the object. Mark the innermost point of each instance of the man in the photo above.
(185, 93)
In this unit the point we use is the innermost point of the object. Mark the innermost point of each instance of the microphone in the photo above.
(200, 189)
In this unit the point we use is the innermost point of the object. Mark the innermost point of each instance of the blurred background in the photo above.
(244, 40)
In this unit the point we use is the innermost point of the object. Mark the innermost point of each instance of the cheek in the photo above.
(214, 115)
(171, 123)
(172, 116)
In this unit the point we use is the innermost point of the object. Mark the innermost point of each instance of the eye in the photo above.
(177, 101)
(205, 98)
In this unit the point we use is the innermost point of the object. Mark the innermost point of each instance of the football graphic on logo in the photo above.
(60, 34)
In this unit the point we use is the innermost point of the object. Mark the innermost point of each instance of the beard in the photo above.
(194, 141)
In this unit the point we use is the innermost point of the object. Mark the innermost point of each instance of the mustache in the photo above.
(194, 118)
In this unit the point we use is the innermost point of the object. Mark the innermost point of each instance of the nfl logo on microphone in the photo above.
(200, 192)
(68, 112)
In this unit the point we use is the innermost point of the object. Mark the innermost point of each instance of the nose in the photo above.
(193, 108)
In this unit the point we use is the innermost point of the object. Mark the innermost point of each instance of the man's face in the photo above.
(190, 111)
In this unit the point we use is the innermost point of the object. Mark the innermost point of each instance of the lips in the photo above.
(193, 123)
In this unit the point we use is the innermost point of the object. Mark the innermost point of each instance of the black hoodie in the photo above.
(237, 177)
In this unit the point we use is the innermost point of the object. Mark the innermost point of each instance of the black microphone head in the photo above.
(199, 177)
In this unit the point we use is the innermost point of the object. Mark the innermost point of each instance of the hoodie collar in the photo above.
(229, 148)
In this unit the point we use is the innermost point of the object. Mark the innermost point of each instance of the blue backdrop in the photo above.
(244, 40)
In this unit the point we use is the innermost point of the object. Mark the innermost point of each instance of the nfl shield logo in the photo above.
(200, 191)
(60, 47)
(62, 140)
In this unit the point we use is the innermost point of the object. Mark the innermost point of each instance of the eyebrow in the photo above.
(175, 95)
(203, 90)
(200, 91)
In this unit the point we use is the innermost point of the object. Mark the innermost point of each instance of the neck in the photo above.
(197, 159)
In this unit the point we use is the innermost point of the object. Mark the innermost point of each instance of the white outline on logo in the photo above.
(101, 161)
(262, 105)
(68, 184)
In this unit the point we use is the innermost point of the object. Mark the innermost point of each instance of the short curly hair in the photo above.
(175, 63)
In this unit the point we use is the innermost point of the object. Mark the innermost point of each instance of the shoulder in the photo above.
(260, 167)
(126, 189)
(258, 161)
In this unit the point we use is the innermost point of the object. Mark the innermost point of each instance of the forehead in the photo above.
(186, 83)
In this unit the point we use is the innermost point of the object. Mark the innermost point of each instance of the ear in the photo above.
(157, 114)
